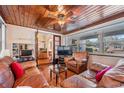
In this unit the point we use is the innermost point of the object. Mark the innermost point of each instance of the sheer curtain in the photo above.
(0, 37)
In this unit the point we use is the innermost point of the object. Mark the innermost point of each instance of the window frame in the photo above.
(101, 36)
(3, 29)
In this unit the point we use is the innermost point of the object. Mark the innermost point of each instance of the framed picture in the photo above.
(74, 41)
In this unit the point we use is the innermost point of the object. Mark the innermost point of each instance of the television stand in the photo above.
(25, 58)
(61, 60)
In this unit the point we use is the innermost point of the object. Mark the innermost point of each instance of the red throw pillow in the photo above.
(17, 69)
(101, 73)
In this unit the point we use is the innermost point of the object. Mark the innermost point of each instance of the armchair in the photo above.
(78, 62)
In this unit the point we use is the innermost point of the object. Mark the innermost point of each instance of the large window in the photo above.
(107, 42)
(114, 44)
(92, 45)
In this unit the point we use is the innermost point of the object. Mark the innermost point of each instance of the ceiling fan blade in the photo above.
(69, 14)
(52, 15)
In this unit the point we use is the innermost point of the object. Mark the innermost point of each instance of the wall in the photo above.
(107, 60)
(19, 34)
(63, 40)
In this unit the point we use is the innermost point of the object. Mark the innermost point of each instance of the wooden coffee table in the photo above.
(57, 69)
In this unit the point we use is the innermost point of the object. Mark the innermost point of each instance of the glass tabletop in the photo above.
(58, 68)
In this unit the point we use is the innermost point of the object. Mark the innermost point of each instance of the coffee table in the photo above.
(57, 69)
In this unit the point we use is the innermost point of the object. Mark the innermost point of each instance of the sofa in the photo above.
(113, 78)
(31, 78)
(78, 62)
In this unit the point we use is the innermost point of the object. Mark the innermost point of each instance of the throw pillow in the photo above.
(117, 72)
(17, 69)
(113, 77)
(101, 73)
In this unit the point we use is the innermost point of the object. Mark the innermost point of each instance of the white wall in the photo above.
(107, 60)
(19, 34)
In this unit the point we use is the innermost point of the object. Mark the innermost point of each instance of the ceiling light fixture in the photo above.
(60, 8)
(61, 16)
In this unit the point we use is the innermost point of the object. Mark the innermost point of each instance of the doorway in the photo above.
(56, 43)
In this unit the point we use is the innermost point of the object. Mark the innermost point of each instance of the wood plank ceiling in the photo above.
(46, 17)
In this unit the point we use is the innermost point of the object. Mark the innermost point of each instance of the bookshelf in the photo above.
(17, 47)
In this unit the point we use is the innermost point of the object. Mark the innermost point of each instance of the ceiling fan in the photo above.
(61, 16)
(56, 17)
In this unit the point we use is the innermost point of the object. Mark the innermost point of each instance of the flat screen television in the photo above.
(26, 52)
(64, 50)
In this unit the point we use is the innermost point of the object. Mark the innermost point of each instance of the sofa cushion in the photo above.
(17, 70)
(101, 73)
(77, 82)
(108, 82)
(32, 71)
(89, 74)
(28, 64)
(96, 66)
(33, 78)
(6, 76)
